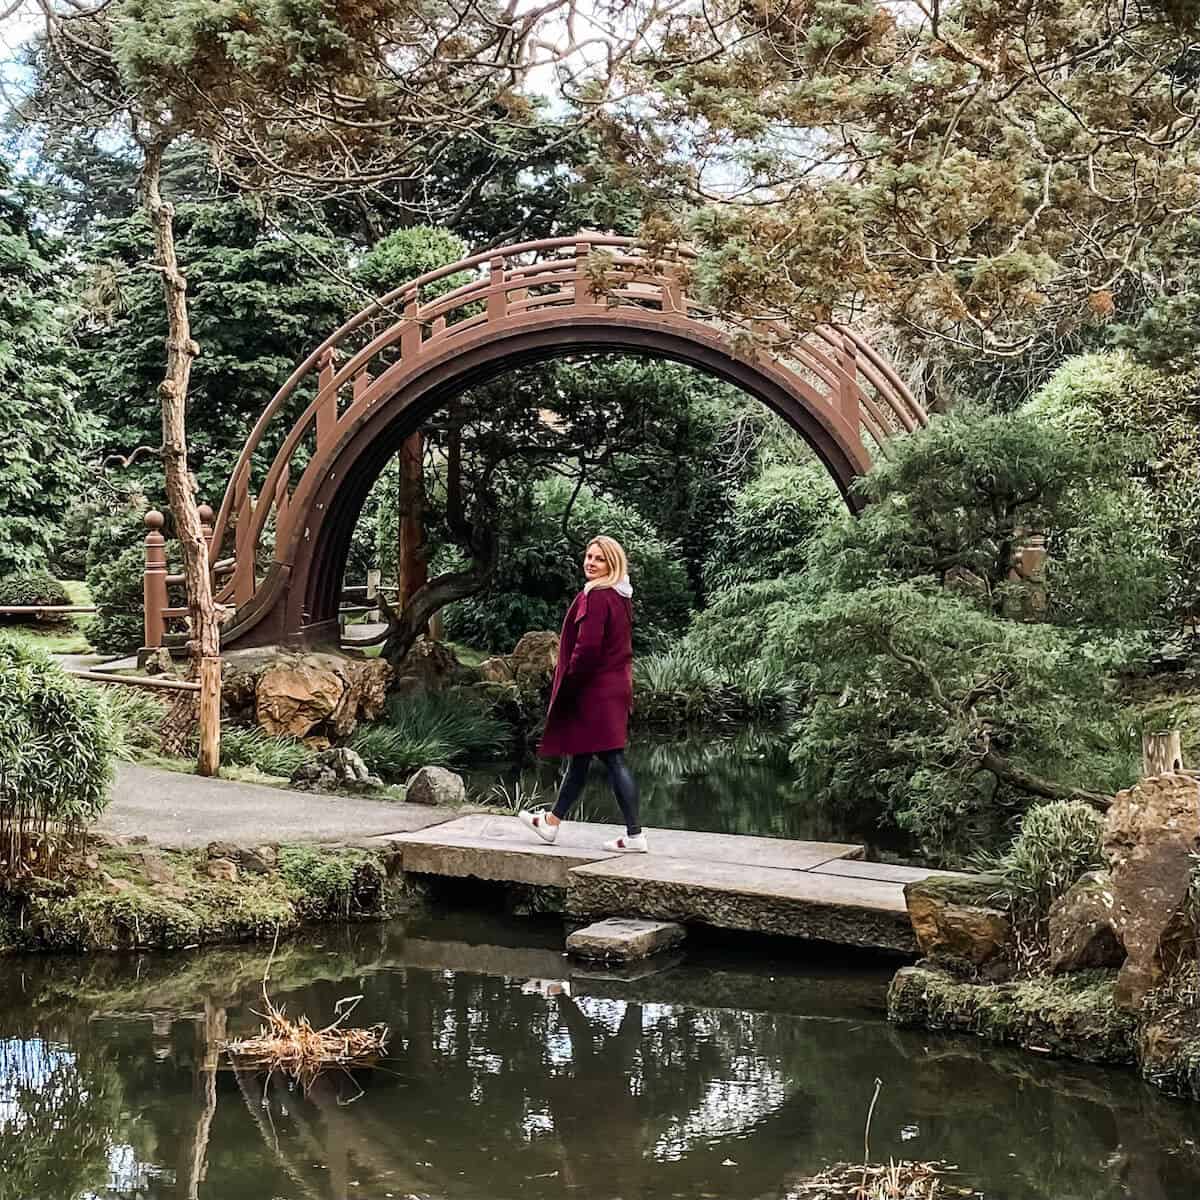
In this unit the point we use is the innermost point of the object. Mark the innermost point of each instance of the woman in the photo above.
(593, 693)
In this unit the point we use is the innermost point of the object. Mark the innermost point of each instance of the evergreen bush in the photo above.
(29, 588)
(117, 591)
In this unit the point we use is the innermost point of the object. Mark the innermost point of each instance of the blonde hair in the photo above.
(615, 560)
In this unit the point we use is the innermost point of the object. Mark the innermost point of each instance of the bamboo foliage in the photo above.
(56, 743)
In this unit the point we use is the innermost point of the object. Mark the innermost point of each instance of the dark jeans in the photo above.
(620, 779)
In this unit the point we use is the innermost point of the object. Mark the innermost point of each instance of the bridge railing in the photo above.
(587, 273)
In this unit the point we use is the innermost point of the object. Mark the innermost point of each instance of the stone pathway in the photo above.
(815, 890)
(184, 811)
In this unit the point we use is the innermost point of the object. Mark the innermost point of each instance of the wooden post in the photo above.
(374, 578)
(154, 581)
(1162, 753)
(412, 569)
(209, 761)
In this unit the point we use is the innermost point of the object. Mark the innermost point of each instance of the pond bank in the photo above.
(132, 896)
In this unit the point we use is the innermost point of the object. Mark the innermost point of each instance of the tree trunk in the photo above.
(1035, 785)
(412, 568)
(410, 622)
(1162, 753)
(205, 641)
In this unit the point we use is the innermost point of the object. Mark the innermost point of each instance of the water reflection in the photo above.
(742, 785)
(511, 1074)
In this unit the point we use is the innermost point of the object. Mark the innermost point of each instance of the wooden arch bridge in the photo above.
(372, 383)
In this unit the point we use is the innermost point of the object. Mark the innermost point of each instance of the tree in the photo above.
(1157, 415)
(260, 298)
(45, 441)
(976, 173)
(774, 518)
(931, 705)
(539, 571)
(626, 431)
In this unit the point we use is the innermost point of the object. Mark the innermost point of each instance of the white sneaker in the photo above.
(538, 823)
(628, 845)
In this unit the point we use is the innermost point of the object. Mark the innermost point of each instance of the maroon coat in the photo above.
(593, 682)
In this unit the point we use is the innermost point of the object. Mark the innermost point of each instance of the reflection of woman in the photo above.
(593, 693)
(598, 1118)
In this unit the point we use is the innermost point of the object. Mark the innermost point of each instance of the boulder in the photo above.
(429, 667)
(496, 670)
(534, 659)
(224, 870)
(316, 694)
(294, 697)
(1151, 832)
(155, 869)
(1081, 927)
(158, 661)
(953, 918)
(436, 785)
(118, 887)
(334, 769)
(170, 891)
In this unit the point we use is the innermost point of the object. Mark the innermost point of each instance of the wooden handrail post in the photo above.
(209, 761)
(1161, 753)
(154, 581)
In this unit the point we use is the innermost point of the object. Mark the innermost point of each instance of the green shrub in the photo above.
(116, 560)
(773, 518)
(56, 745)
(332, 886)
(116, 587)
(1158, 415)
(270, 755)
(31, 588)
(137, 718)
(1058, 843)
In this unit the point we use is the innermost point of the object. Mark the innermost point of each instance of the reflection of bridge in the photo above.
(370, 384)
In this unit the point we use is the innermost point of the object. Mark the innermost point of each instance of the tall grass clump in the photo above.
(137, 718)
(1058, 843)
(465, 727)
(430, 730)
(392, 753)
(56, 744)
(682, 687)
(266, 754)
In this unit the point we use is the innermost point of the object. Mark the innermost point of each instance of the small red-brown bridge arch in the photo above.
(370, 384)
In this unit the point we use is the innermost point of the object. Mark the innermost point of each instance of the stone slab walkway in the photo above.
(186, 811)
(814, 890)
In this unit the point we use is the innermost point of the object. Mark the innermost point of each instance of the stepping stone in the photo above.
(624, 939)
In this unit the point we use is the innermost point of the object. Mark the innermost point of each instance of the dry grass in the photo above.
(877, 1181)
(301, 1052)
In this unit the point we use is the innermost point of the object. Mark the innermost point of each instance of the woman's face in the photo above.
(594, 565)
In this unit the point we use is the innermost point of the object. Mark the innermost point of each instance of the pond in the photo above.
(725, 1075)
(739, 784)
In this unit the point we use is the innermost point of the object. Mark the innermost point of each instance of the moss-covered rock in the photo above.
(113, 903)
(1075, 1015)
(956, 918)
(1168, 1052)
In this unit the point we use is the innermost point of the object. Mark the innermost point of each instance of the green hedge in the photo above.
(30, 588)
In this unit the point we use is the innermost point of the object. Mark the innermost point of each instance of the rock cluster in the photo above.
(333, 770)
(530, 666)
